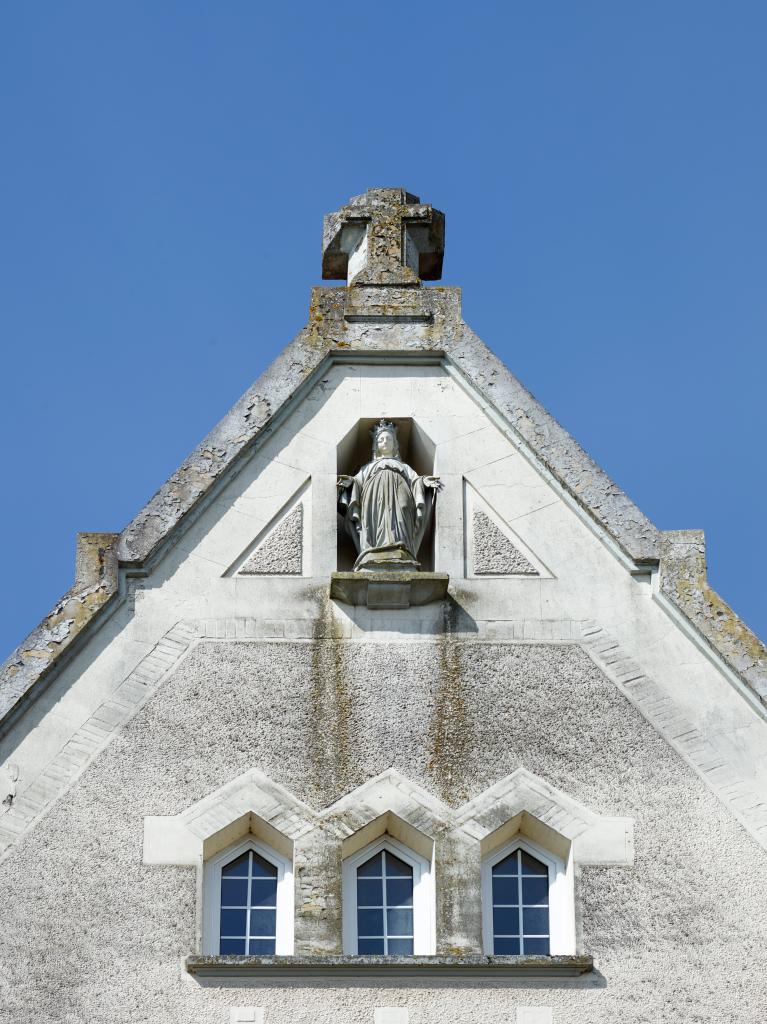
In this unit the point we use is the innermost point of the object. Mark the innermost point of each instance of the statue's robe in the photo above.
(385, 496)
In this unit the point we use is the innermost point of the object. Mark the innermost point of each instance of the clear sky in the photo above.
(164, 169)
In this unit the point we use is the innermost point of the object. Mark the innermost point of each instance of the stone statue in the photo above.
(386, 506)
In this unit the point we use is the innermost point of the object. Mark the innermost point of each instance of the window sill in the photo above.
(388, 966)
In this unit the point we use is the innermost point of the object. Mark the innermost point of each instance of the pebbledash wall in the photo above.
(217, 684)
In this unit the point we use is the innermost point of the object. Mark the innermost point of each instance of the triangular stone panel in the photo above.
(491, 547)
(280, 553)
(494, 554)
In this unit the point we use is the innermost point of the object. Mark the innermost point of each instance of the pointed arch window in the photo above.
(527, 901)
(248, 901)
(388, 901)
(520, 888)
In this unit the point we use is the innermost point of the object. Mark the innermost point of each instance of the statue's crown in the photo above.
(383, 425)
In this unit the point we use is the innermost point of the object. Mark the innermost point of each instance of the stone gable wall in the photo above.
(92, 934)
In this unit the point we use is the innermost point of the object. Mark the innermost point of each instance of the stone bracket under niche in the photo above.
(388, 590)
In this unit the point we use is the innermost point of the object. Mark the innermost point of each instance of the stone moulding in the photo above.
(467, 967)
(595, 838)
(388, 589)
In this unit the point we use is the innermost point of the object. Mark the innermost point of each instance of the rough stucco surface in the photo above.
(680, 937)
(281, 552)
(494, 554)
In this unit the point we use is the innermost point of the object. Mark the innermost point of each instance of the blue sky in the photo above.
(165, 168)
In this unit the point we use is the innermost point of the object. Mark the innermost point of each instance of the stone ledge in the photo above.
(389, 966)
(387, 590)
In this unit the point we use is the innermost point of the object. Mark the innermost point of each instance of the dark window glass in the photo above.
(372, 866)
(400, 947)
(385, 906)
(248, 921)
(520, 905)
(237, 867)
(506, 947)
(370, 947)
(232, 946)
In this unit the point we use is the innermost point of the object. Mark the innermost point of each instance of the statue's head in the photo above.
(385, 443)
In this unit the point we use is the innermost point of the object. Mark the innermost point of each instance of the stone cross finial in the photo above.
(384, 237)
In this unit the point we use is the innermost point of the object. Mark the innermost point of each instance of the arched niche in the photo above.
(355, 449)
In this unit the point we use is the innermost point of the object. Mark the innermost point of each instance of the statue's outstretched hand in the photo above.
(343, 482)
(433, 482)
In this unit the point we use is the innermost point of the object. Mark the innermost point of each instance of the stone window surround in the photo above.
(561, 894)
(389, 806)
(211, 895)
(424, 912)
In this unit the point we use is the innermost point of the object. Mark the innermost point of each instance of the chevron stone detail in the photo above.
(709, 760)
(94, 735)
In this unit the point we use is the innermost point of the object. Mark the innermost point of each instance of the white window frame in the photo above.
(561, 895)
(211, 896)
(424, 929)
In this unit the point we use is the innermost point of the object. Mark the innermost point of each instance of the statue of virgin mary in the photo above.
(386, 506)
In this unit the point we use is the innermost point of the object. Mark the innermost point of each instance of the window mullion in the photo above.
(385, 903)
(519, 898)
(250, 902)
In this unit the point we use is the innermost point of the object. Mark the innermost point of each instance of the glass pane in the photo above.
(369, 892)
(261, 947)
(396, 867)
(263, 922)
(506, 890)
(535, 920)
(370, 922)
(263, 892)
(399, 892)
(372, 866)
(531, 866)
(234, 892)
(400, 947)
(236, 867)
(263, 868)
(371, 947)
(505, 921)
(233, 922)
(537, 946)
(399, 922)
(231, 946)
(507, 866)
(535, 891)
(506, 947)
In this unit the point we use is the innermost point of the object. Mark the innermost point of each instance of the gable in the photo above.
(243, 539)
(581, 579)
(563, 677)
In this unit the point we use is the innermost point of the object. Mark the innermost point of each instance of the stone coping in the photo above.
(471, 966)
